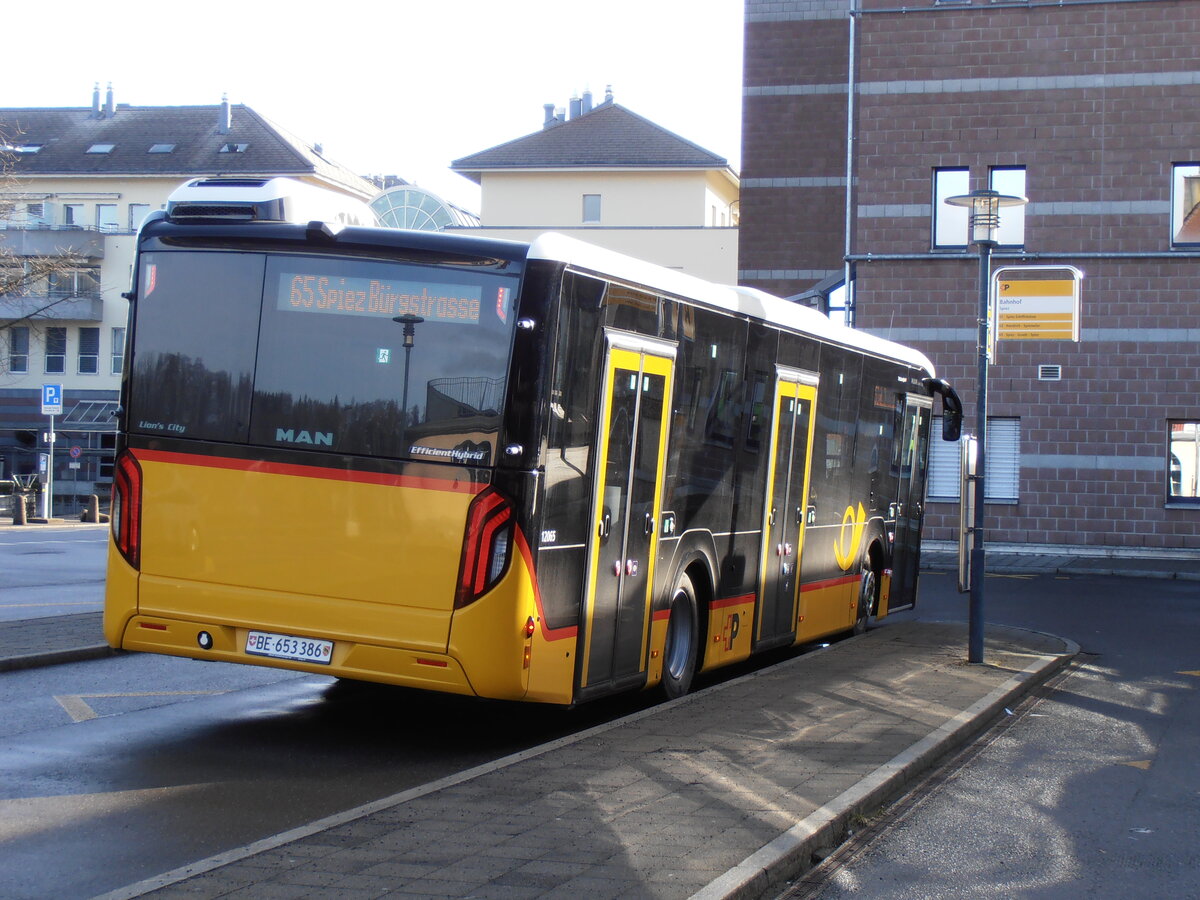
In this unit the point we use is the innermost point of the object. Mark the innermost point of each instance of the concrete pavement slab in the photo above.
(720, 794)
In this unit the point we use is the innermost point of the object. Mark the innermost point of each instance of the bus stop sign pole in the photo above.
(52, 405)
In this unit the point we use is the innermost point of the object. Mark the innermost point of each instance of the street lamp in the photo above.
(985, 219)
(410, 323)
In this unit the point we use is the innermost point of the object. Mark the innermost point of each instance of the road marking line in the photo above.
(1195, 672)
(80, 711)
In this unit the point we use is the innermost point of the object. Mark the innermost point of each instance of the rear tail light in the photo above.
(127, 508)
(486, 547)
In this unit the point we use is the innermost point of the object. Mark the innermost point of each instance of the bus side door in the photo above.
(631, 444)
(909, 508)
(786, 511)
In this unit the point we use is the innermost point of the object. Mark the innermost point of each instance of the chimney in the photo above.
(576, 107)
(608, 97)
(109, 106)
(549, 120)
(226, 120)
(587, 101)
(96, 101)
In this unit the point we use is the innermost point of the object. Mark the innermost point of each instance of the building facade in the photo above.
(1088, 110)
(609, 176)
(77, 184)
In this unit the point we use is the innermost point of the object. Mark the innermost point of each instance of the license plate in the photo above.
(286, 646)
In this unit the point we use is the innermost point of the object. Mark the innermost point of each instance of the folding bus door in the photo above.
(909, 508)
(631, 445)
(786, 509)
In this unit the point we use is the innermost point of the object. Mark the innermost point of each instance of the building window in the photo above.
(1002, 481)
(1183, 462)
(106, 216)
(161, 148)
(234, 148)
(1009, 180)
(591, 209)
(118, 350)
(73, 283)
(89, 351)
(137, 215)
(1185, 203)
(18, 349)
(950, 222)
(73, 214)
(101, 148)
(56, 351)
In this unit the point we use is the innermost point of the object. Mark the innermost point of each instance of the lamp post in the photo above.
(410, 323)
(984, 220)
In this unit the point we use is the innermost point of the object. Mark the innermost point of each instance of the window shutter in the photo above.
(943, 466)
(1003, 451)
(1003, 481)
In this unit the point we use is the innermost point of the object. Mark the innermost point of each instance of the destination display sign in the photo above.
(378, 297)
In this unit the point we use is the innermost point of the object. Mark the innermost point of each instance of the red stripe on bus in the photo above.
(661, 615)
(829, 583)
(548, 633)
(271, 468)
(732, 601)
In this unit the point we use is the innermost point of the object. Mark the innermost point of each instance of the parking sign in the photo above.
(52, 399)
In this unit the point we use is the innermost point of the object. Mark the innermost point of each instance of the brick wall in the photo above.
(1096, 101)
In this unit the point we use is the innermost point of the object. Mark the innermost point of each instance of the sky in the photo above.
(397, 87)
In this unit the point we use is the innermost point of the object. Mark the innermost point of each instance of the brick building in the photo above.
(1087, 108)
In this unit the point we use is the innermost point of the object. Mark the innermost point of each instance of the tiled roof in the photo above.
(608, 136)
(65, 135)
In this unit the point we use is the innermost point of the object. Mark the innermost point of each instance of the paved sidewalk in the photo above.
(724, 793)
(1008, 559)
(50, 640)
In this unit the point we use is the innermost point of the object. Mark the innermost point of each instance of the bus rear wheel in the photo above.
(683, 633)
(868, 594)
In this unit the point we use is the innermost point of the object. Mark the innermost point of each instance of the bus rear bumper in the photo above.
(196, 639)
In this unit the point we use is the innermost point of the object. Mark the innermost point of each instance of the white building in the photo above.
(606, 175)
(79, 182)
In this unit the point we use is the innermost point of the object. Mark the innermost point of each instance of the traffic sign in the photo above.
(52, 399)
(76, 452)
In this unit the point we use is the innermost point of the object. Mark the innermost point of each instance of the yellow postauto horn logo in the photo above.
(845, 548)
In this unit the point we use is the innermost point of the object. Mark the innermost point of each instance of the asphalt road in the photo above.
(49, 571)
(1092, 791)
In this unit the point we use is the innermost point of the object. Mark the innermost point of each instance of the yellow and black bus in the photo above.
(537, 471)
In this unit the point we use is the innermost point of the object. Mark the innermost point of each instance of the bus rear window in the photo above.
(348, 356)
(197, 329)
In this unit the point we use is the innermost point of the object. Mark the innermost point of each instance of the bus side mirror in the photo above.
(951, 407)
(951, 424)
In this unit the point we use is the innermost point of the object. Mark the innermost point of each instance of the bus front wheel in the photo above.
(683, 634)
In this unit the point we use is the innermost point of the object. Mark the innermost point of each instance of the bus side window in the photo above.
(756, 413)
